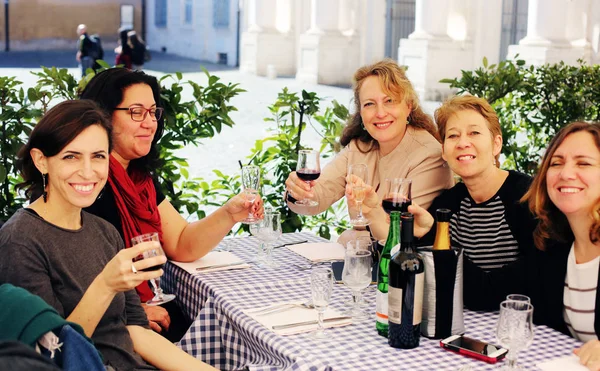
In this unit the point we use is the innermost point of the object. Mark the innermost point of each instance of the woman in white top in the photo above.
(565, 196)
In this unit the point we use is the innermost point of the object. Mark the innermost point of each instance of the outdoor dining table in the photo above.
(224, 336)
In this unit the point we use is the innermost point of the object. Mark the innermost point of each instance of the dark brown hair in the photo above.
(396, 85)
(55, 130)
(553, 223)
(467, 102)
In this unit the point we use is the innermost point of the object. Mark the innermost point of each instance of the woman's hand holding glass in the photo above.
(300, 182)
(122, 274)
(251, 184)
(357, 180)
(423, 220)
(238, 207)
(155, 251)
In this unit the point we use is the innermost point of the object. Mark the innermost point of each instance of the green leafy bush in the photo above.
(533, 103)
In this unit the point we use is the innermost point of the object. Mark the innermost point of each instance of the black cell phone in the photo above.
(338, 268)
(474, 348)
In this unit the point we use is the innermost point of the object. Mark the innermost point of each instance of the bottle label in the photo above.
(395, 305)
(395, 249)
(382, 307)
(419, 287)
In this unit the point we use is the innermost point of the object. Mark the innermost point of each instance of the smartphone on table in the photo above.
(474, 348)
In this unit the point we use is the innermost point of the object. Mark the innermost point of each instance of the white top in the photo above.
(579, 297)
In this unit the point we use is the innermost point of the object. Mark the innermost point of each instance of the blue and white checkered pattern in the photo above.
(225, 337)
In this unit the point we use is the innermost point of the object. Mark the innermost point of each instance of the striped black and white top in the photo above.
(579, 297)
(483, 232)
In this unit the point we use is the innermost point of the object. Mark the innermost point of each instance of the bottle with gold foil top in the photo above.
(442, 233)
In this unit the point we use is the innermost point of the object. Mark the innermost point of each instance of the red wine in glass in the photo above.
(149, 269)
(308, 175)
(396, 204)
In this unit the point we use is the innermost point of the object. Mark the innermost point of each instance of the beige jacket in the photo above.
(417, 157)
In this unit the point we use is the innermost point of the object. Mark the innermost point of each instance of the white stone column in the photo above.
(430, 53)
(264, 47)
(326, 56)
(371, 27)
(547, 37)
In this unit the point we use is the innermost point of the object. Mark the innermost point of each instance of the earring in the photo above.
(45, 193)
(362, 126)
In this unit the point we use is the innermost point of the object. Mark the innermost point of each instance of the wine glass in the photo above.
(358, 178)
(397, 195)
(269, 230)
(364, 243)
(518, 297)
(159, 296)
(321, 286)
(515, 330)
(357, 276)
(250, 183)
(308, 169)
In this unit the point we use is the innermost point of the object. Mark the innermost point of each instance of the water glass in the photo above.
(159, 296)
(321, 286)
(268, 231)
(357, 276)
(515, 330)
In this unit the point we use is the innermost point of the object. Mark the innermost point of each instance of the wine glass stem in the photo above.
(268, 252)
(320, 320)
(359, 205)
(156, 286)
(511, 359)
(306, 199)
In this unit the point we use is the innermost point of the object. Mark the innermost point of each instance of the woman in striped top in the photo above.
(565, 196)
(488, 221)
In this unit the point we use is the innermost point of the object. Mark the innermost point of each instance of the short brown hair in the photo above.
(456, 104)
(396, 85)
(553, 223)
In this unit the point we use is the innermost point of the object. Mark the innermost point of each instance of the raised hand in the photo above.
(423, 220)
(238, 207)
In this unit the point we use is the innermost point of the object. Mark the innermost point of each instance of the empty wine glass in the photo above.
(251, 183)
(321, 285)
(515, 330)
(397, 195)
(159, 296)
(357, 276)
(268, 231)
(308, 169)
(358, 178)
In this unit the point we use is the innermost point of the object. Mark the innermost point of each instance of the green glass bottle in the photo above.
(393, 239)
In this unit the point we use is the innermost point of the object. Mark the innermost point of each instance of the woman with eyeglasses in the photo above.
(132, 200)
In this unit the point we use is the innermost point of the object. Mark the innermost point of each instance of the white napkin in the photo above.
(296, 315)
(570, 362)
(213, 258)
(319, 251)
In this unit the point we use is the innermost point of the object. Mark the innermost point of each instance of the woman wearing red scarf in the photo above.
(132, 200)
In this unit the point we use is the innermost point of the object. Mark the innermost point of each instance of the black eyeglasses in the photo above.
(138, 114)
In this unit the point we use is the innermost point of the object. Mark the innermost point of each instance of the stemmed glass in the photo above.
(159, 296)
(397, 195)
(515, 330)
(357, 276)
(251, 183)
(358, 178)
(321, 285)
(308, 169)
(268, 231)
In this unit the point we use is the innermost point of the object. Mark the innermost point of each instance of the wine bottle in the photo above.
(393, 239)
(442, 233)
(405, 296)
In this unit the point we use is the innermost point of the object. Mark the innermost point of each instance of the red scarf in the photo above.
(135, 197)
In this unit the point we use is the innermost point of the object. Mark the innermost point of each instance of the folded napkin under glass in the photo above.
(319, 251)
(214, 261)
(294, 318)
(570, 363)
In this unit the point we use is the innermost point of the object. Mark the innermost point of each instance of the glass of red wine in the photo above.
(251, 183)
(159, 296)
(397, 196)
(308, 169)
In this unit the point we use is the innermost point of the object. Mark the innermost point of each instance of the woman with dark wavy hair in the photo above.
(132, 200)
(565, 196)
(390, 133)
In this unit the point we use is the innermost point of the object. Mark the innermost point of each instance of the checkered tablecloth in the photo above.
(225, 337)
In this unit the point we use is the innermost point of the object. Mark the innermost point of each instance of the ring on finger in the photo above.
(133, 269)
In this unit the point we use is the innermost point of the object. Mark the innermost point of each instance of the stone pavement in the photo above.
(232, 144)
